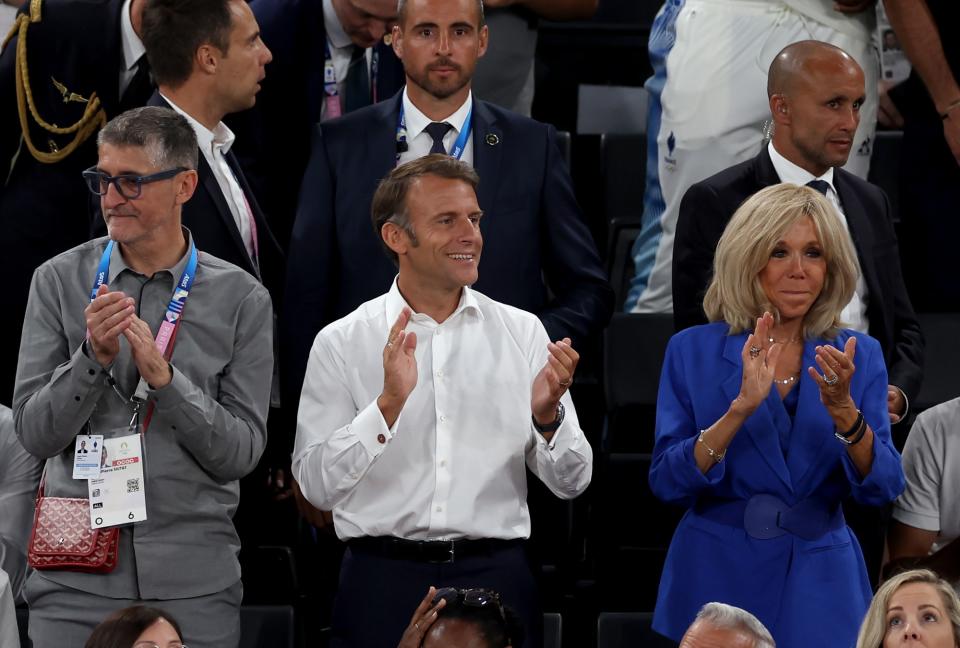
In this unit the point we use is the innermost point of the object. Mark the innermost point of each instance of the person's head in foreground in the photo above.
(784, 252)
(463, 618)
(137, 627)
(723, 626)
(916, 608)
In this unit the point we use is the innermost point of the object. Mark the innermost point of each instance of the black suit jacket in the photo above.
(532, 228)
(706, 209)
(73, 51)
(289, 103)
(211, 222)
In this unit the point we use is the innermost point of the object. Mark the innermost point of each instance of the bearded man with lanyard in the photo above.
(188, 407)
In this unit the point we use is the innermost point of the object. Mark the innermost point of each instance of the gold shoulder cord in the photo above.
(94, 117)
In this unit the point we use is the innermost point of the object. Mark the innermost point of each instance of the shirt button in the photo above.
(439, 373)
(381, 438)
(443, 419)
(439, 509)
(443, 463)
(91, 372)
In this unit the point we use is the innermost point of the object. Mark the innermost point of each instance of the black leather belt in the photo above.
(429, 551)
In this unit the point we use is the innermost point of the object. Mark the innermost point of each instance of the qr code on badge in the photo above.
(133, 485)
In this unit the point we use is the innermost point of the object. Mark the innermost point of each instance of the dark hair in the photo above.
(173, 30)
(164, 134)
(498, 624)
(121, 629)
(402, 12)
(390, 200)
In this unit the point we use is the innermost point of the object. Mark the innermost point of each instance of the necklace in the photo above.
(787, 380)
(794, 340)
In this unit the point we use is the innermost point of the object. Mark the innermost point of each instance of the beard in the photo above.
(440, 89)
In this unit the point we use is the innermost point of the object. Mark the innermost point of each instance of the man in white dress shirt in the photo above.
(421, 411)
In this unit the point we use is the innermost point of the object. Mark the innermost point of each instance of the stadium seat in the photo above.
(629, 630)
(266, 626)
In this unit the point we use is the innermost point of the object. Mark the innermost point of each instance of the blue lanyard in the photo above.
(458, 146)
(180, 294)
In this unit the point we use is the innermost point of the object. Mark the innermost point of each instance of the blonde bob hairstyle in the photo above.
(874, 627)
(735, 294)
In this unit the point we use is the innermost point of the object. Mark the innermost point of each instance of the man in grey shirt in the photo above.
(82, 359)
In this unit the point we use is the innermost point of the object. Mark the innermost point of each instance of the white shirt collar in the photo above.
(417, 121)
(790, 172)
(395, 303)
(132, 45)
(336, 35)
(208, 140)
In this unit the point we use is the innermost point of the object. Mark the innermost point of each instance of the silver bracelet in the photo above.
(716, 456)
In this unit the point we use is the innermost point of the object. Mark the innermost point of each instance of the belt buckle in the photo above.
(449, 549)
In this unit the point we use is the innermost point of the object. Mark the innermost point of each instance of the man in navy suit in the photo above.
(82, 59)
(208, 61)
(815, 92)
(533, 226)
(310, 39)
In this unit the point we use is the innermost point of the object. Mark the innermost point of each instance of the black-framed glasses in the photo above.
(477, 598)
(130, 186)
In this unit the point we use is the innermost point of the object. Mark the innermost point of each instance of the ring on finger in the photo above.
(417, 625)
(754, 351)
(389, 344)
(565, 383)
(832, 380)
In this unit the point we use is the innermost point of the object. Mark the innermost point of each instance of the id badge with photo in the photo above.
(117, 495)
(86, 456)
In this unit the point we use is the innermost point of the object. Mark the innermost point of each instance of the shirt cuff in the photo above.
(371, 429)
(173, 392)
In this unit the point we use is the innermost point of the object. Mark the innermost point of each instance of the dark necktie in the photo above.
(819, 185)
(140, 87)
(437, 130)
(356, 87)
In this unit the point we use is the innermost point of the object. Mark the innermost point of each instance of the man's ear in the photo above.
(780, 109)
(187, 184)
(484, 39)
(207, 58)
(397, 41)
(395, 238)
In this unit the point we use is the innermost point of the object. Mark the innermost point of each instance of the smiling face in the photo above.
(818, 113)
(793, 276)
(439, 43)
(445, 218)
(243, 66)
(916, 618)
(161, 634)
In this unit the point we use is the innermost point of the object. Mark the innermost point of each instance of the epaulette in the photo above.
(94, 116)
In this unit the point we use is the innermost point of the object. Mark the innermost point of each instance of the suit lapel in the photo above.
(209, 183)
(381, 140)
(812, 425)
(487, 154)
(760, 426)
(860, 230)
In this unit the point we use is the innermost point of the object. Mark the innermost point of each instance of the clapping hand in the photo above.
(150, 363)
(838, 369)
(399, 368)
(107, 316)
(759, 365)
(553, 380)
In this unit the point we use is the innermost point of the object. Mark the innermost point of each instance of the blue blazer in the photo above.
(533, 230)
(807, 592)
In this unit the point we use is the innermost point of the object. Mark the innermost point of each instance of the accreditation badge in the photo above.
(117, 496)
(86, 456)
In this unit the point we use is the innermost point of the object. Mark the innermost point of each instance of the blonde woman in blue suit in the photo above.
(767, 418)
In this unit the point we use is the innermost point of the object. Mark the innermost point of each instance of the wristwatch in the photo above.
(550, 427)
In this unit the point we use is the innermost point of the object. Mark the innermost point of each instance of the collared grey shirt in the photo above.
(208, 427)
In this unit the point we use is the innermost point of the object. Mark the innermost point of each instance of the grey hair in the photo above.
(402, 8)
(165, 136)
(726, 616)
